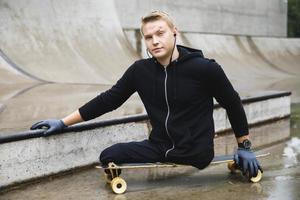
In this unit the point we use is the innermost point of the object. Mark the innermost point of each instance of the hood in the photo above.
(187, 52)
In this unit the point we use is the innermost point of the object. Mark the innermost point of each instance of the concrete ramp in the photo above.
(10, 75)
(283, 53)
(235, 54)
(68, 41)
(251, 63)
(23, 106)
(12, 82)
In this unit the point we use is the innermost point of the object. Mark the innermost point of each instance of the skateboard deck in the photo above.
(112, 171)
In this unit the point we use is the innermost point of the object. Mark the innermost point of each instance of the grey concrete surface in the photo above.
(57, 41)
(237, 57)
(80, 48)
(9, 75)
(256, 112)
(250, 58)
(65, 41)
(253, 63)
(75, 42)
(12, 81)
(55, 101)
(280, 53)
(32, 158)
(273, 65)
(239, 17)
(38, 157)
(281, 179)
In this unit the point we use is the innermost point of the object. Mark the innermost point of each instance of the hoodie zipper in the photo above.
(166, 122)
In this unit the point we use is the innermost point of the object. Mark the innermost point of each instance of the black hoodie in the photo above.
(179, 101)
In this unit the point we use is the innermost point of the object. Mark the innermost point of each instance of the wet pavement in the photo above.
(281, 179)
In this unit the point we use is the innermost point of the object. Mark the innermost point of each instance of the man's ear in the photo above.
(175, 32)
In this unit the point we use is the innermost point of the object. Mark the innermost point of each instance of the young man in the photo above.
(176, 86)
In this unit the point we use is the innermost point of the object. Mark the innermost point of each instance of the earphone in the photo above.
(147, 51)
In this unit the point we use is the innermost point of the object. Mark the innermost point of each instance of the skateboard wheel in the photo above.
(257, 178)
(231, 166)
(118, 185)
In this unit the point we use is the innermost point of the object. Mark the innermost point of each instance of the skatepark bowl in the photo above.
(53, 60)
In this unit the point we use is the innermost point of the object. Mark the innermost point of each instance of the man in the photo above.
(176, 86)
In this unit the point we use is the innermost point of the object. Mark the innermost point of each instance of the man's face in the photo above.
(159, 38)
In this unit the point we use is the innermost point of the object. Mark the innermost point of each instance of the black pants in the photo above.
(144, 152)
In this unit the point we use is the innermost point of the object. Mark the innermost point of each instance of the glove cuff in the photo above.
(63, 124)
(244, 149)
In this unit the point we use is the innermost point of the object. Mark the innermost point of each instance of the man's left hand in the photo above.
(247, 161)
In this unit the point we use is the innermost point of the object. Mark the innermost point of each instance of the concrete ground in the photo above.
(281, 179)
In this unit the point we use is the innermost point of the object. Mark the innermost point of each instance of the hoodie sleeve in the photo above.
(110, 99)
(222, 90)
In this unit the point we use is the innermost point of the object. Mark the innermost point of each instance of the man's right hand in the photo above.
(53, 126)
(246, 159)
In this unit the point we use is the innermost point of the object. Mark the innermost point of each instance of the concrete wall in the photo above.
(38, 157)
(256, 112)
(239, 17)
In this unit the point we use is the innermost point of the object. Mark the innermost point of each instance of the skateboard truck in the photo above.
(112, 177)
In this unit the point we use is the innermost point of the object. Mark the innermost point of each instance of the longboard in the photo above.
(112, 171)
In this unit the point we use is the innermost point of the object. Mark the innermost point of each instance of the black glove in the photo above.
(53, 126)
(247, 161)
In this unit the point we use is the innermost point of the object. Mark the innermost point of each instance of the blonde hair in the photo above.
(157, 15)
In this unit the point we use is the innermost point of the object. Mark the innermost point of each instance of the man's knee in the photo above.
(105, 157)
(205, 161)
(102, 158)
(110, 154)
